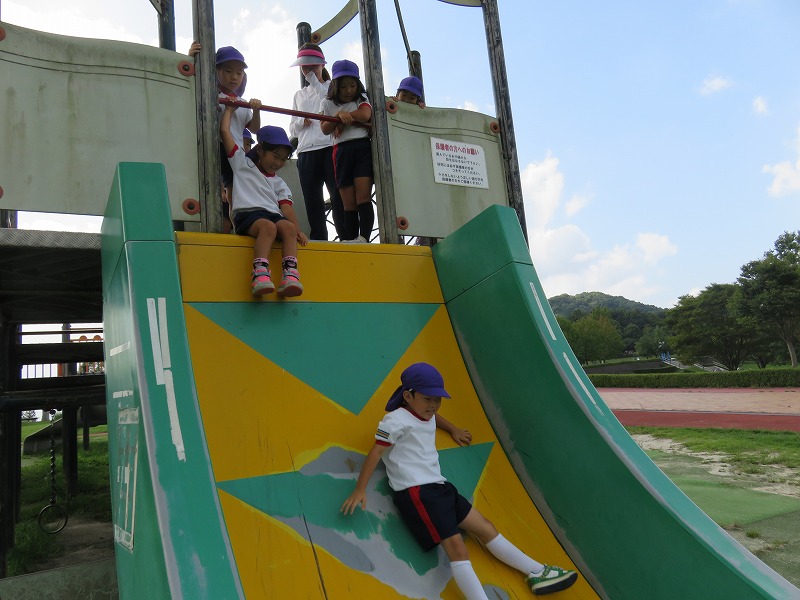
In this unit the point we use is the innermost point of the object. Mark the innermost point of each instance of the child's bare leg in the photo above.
(348, 196)
(366, 214)
(465, 576)
(287, 233)
(264, 231)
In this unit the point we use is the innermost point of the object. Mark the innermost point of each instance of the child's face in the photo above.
(272, 160)
(348, 89)
(407, 97)
(230, 75)
(425, 406)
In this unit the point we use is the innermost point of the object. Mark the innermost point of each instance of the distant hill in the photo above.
(585, 302)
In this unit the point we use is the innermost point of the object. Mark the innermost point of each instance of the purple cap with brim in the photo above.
(309, 56)
(229, 53)
(420, 377)
(412, 84)
(246, 135)
(274, 136)
(344, 68)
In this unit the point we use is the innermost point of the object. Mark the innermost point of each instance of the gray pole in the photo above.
(166, 25)
(303, 36)
(502, 101)
(208, 167)
(381, 157)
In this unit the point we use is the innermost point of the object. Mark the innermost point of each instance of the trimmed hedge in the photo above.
(762, 378)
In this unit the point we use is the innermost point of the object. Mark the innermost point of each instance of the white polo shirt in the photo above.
(252, 188)
(412, 458)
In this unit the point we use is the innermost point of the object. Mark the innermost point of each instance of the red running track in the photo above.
(740, 408)
(674, 418)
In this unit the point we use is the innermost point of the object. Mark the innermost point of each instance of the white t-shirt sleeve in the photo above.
(389, 430)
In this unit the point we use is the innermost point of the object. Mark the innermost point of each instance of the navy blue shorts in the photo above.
(351, 160)
(244, 219)
(432, 511)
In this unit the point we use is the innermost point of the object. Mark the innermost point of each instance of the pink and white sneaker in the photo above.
(290, 284)
(261, 283)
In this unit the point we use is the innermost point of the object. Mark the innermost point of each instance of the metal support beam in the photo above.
(502, 102)
(303, 36)
(208, 167)
(166, 25)
(381, 156)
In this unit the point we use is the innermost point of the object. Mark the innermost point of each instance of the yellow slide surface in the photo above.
(290, 394)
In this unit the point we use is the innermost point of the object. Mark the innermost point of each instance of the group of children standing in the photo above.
(336, 154)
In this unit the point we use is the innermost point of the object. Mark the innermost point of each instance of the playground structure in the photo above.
(209, 506)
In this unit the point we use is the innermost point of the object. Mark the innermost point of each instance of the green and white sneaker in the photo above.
(551, 579)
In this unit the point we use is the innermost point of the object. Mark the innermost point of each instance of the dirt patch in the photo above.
(774, 479)
(82, 541)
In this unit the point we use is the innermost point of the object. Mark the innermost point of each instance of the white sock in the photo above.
(513, 556)
(467, 581)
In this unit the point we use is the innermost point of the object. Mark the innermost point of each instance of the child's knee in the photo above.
(287, 228)
(455, 548)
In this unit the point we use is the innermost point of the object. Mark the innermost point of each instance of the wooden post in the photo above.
(208, 168)
(502, 102)
(381, 156)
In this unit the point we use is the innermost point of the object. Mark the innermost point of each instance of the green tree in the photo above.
(709, 325)
(652, 342)
(594, 337)
(770, 291)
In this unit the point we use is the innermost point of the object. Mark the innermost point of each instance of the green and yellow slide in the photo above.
(237, 426)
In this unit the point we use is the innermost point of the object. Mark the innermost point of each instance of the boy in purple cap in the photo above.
(410, 91)
(431, 506)
(261, 205)
(352, 150)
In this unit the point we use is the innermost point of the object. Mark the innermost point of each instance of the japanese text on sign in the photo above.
(458, 163)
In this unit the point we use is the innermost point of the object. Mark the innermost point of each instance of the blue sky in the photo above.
(659, 143)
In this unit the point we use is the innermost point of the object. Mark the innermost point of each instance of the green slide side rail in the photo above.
(630, 530)
(170, 538)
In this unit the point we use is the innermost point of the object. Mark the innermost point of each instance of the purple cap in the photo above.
(309, 56)
(420, 377)
(344, 68)
(275, 136)
(246, 135)
(229, 53)
(411, 84)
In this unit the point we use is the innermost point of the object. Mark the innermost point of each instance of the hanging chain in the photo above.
(52, 456)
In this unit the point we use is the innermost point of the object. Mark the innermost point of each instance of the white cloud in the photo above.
(575, 205)
(655, 246)
(712, 85)
(760, 106)
(786, 174)
(76, 19)
(563, 254)
(542, 185)
(467, 105)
